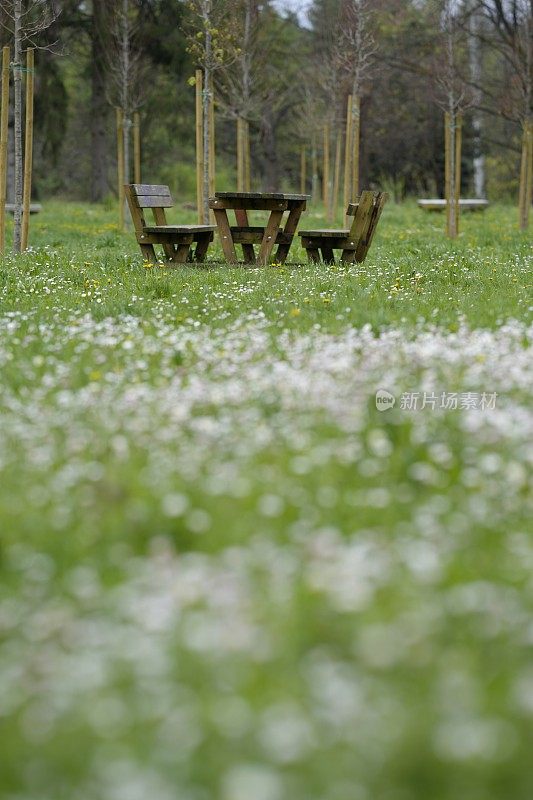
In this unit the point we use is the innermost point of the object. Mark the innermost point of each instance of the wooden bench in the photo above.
(355, 242)
(464, 204)
(176, 240)
(35, 208)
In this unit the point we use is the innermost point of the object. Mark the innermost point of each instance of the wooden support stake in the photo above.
(199, 146)
(240, 155)
(4, 123)
(356, 144)
(247, 158)
(529, 178)
(325, 174)
(458, 154)
(28, 148)
(137, 147)
(314, 167)
(334, 202)
(120, 167)
(303, 169)
(347, 155)
(447, 148)
(524, 200)
(212, 145)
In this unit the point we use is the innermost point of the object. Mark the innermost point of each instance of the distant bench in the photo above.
(35, 208)
(464, 205)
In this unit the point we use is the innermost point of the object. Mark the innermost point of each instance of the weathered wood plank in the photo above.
(147, 189)
(256, 237)
(363, 245)
(154, 201)
(251, 204)
(261, 196)
(326, 233)
(336, 244)
(179, 228)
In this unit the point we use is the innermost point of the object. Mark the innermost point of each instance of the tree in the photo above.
(453, 97)
(212, 46)
(28, 19)
(237, 79)
(99, 35)
(511, 26)
(126, 66)
(358, 45)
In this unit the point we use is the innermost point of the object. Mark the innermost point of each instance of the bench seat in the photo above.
(326, 232)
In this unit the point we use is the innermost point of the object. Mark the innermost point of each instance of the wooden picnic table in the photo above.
(266, 236)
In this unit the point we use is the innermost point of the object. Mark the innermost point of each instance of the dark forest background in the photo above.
(402, 122)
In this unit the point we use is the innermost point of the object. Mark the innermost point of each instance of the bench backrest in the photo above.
(148, 195)
(366, 213)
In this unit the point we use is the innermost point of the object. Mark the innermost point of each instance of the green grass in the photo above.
(223, 572)
(413, 272)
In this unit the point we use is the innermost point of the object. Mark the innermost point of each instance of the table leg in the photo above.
(290, 229)
(241, 215)
(269, 237)
(224, 232)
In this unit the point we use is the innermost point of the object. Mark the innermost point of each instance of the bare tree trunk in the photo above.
(206, 101)
(17, 81)
(125, 85)
(271, 158)
(99, 106)
(476, 70)
(525, 176)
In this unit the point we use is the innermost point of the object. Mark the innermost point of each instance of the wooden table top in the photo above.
(261, 196)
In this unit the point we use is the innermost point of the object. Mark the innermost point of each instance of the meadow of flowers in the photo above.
(224, 573)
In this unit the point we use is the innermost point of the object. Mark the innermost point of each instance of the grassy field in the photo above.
(224, 573)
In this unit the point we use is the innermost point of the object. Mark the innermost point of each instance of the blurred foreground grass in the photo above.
(226, 574)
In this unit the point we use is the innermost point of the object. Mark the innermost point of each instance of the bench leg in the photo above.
(202, 247)
(327, 255)
(348, 256)
(181, 254)
(148, 253)
(313, 254)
